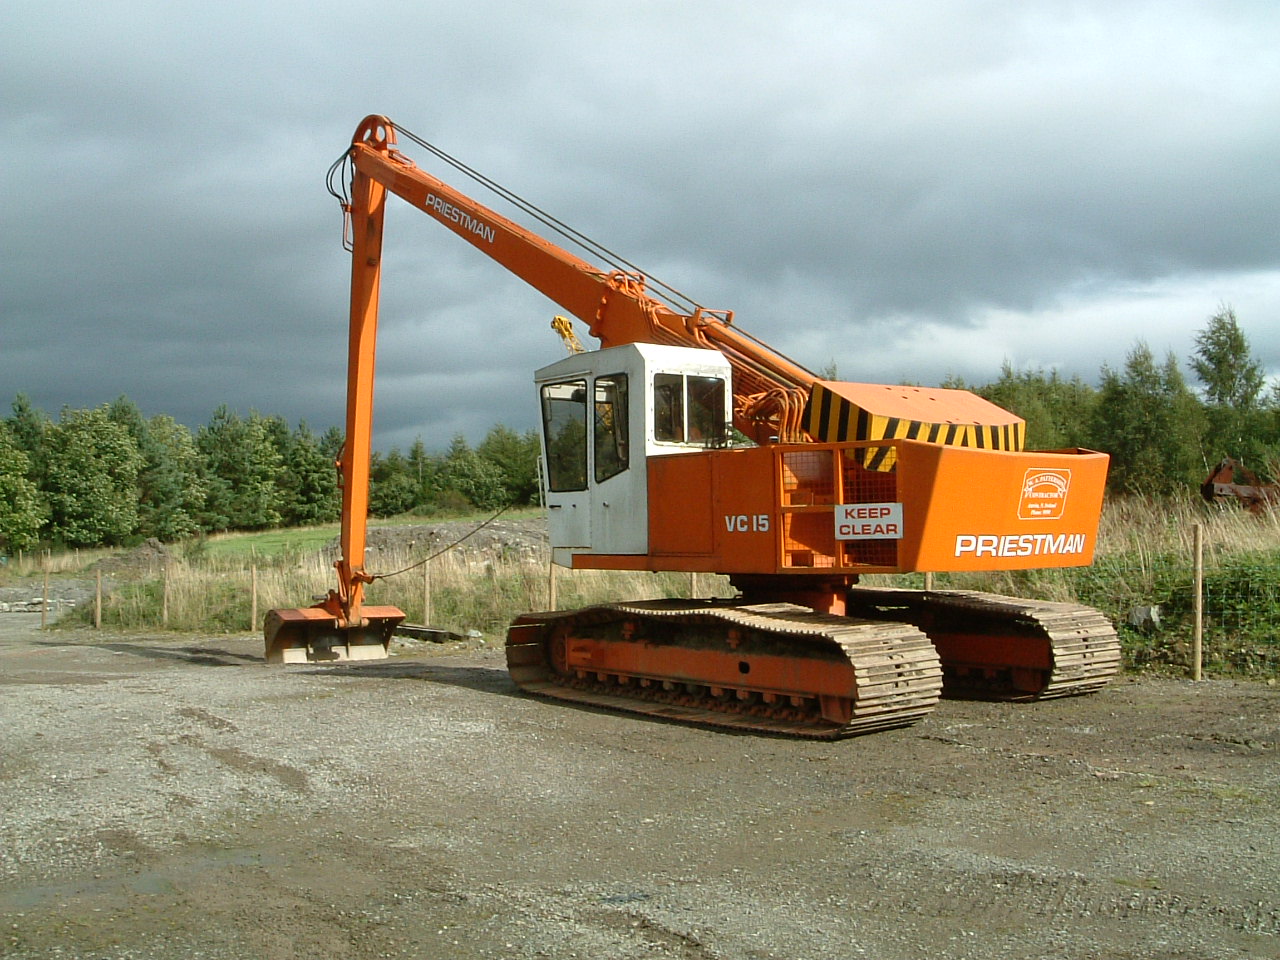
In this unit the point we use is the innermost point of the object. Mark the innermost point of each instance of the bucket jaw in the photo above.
(317, 635)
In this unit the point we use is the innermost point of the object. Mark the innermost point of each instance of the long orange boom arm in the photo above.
(770, 390)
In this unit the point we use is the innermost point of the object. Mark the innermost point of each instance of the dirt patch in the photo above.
(147, 559)
(25, 594)
(179, 798)
(28, 595)
(514, 539)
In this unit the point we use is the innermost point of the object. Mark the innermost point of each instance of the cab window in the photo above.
(610, 426)
(688, 409)
(564, 429)
(706, 410)
(668, 407)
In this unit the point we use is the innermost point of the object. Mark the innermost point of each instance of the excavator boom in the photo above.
(616, 305)
(342, 627)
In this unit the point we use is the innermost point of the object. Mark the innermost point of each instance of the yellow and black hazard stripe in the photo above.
(830, 418)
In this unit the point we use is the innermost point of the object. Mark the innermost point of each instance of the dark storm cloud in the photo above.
(910, 191)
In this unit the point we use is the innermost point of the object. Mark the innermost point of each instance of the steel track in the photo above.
(894, 674)
(1058, 649)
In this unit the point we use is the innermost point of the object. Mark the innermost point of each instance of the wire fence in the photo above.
(1219, 611)
(1148, 588)
(1218, 615)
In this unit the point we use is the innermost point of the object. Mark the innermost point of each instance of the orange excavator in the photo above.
(685, 444)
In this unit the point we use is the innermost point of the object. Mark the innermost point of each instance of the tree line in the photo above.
(109, 475)
(1161, 433)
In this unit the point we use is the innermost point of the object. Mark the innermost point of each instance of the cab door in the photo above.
(619, 509)
(564, 435)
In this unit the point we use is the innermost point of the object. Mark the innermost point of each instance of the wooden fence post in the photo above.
(1197, 601)
(97, 602)
(253, 597)
(44, 600)
(426, 594)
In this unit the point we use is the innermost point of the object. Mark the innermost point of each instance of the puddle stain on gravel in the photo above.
(55, 679)
(290, 777)
(208, 719)
(235, 759)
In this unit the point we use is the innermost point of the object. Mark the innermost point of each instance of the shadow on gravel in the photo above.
(496, 680)
(485, 679)
(204, 656)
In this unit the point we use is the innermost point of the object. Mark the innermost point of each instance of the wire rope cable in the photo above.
(442, 550)
(338, 177)
(675, 298)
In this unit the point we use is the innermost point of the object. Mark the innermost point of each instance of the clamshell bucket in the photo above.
(316, 635)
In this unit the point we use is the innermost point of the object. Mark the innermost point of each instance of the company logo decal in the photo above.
(1044, 494)
(1020, 545)
(447, 211)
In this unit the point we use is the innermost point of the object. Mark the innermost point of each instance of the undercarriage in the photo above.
(782, 668)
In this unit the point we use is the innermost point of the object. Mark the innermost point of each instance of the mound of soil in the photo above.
(147, 558)
(522, 538)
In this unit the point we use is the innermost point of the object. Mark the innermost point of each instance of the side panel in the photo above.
(719, 506)
(618, 508)
(814, 508)
(679, 502)
(744, 510)
(992, 510)
(569, 519)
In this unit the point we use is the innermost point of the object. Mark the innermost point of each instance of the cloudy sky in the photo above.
(910, 191)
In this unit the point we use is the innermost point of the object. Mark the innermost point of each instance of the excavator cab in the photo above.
(605, 414)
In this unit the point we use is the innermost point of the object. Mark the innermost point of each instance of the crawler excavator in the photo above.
(834, 481)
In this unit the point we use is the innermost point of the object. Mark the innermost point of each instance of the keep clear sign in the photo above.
(869, 521)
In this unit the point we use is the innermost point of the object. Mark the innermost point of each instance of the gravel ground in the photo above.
(177, 798)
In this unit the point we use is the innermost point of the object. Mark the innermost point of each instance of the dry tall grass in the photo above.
(455, 591)
(1137, 527)
(25, 564)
